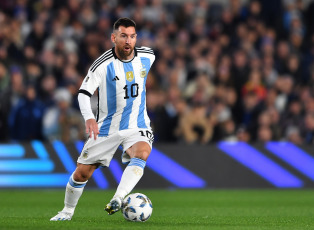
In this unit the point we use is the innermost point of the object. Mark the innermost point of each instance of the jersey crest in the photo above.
(129, 76)
(143, 71)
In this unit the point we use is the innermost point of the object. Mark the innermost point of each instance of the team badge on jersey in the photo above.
(143, 71)
(129, 76)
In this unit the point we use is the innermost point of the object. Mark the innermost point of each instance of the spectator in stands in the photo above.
(254, 84)
(195, 126)
(277, 132)
(62, 122)
(242, 134)
(270, 74)
(281, 55)
(201, 89)
(292, 117)
(293, 135)
(17, 88)
(4, 77)
(293, 69)
(226, 131)
(308, 129)
(167, 116)
(37, 36)
(240, 70)
(223, 73)
(284, 86)
(250, 110)
(47, 87)
(26, 117)
(264, 134)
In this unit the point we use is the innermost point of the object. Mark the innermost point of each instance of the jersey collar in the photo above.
(116, 57)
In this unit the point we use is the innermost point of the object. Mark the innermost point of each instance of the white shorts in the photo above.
(101, 150)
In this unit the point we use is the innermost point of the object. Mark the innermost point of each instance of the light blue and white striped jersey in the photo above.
(121, 90)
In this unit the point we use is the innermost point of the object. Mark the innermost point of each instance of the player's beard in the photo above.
(123, 54)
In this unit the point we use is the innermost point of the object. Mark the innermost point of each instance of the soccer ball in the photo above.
(137, 207)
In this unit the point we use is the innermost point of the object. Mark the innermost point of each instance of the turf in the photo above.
(177, 209)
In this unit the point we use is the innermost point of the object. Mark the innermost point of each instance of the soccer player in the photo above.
(119, 75)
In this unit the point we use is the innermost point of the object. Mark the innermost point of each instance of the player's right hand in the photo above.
(92, 128)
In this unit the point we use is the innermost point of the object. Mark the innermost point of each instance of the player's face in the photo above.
(124, 39)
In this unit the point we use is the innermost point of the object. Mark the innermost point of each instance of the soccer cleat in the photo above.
(61, 216)
(114, 205)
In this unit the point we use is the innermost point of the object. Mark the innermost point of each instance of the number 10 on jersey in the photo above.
(131, 90)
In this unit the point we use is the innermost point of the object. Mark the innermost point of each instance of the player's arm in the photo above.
(89, 85)
(91, 126)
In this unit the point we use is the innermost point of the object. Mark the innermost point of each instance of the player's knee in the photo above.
(81, 176)
(143, 154)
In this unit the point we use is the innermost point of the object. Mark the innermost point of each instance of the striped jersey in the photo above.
(121, 90)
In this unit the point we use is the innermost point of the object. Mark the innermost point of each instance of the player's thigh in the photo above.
(136, 143)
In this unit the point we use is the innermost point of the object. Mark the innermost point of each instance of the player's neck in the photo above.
(129, 58)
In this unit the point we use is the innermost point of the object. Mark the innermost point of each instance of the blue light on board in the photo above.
(293, 156)
(64, 156)
(79, 146)
(116, 170)
(40, 149)
(34, 180)
(172, 171)
(11, 150)
(26, 165)
(43, 165)
(16, 170)
(260, 164)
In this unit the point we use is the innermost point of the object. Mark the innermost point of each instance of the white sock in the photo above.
(130, 177)
(73, 193)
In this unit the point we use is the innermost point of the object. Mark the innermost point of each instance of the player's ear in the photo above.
(113, 37)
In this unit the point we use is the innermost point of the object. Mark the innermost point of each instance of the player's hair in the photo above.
(126, 22)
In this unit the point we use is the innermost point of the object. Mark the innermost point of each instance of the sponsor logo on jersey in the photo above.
(116, 78)
(129, 76)
(87, 79)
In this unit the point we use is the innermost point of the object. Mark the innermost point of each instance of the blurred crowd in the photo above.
(224, 70)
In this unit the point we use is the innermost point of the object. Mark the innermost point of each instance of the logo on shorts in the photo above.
(85, 154)
(129, 76)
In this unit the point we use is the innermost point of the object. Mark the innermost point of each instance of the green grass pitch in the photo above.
(177, 209)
